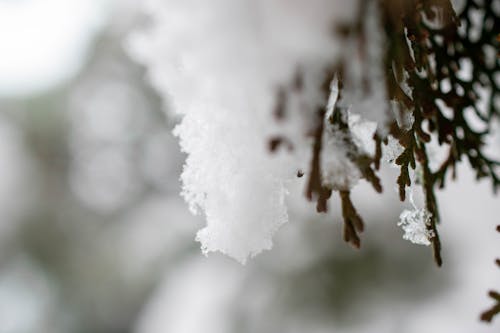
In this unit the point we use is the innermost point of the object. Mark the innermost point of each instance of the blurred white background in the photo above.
(95, 238)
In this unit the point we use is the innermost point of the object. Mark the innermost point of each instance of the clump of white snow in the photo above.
(219, 64)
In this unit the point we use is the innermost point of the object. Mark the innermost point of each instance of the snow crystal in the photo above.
(415, 222)
(415, 225)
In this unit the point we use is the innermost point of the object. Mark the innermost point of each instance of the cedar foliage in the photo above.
(429, 46)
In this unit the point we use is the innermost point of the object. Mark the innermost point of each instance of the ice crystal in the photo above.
(415, 223)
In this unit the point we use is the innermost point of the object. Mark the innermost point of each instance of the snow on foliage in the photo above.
(339, 172)
(415, 222)
(220, 64)
(392, 150)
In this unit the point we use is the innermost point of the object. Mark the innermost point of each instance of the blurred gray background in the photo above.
(94, 237)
